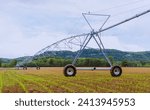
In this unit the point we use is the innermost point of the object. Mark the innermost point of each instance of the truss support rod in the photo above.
(102, 51)
(129, 19)
(100, 41)
(86, 41)
(87, 22)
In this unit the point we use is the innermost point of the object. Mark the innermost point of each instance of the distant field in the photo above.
(52, 80)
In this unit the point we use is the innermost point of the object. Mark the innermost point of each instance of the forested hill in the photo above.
(94, 53)
(116, 54)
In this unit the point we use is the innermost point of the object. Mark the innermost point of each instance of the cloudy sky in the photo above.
(26, 26)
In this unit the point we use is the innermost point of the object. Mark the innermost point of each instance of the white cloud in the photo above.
(27, 26)
(113, 42)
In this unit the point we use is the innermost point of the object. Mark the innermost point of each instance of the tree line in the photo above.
(12, 63)
(81, 62)
(86, 62)
(60, 62)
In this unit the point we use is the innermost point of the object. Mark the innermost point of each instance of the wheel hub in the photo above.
(70, 71)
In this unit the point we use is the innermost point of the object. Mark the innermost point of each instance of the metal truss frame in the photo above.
(96, 35)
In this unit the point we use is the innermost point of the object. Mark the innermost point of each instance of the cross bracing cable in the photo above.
(127, 11)
(122, 5)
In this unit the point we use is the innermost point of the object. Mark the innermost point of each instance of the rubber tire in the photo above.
(38, 68)
(24, 68)
(113, 74)
(69, 66)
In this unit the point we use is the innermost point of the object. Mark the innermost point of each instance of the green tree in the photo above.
(0, 62)
(13, 63)
(5, 65)
(124, 63)
(143, 63)
(50, 61)
(111, 59)
(87, 62)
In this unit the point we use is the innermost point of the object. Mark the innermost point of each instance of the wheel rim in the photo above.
(70, 71)
(116, 71)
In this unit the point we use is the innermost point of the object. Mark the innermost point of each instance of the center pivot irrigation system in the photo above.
(81, 41)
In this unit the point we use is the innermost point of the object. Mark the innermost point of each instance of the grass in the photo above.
(52, 80)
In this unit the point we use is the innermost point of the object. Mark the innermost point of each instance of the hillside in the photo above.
(5, 60)
(94, 53)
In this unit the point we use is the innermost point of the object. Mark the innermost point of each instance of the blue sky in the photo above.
(26, 26)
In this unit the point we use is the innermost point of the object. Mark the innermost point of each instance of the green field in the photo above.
(52, 80)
